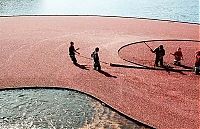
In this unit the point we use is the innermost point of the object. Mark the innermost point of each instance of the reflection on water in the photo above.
(180, 10)
(57, 109)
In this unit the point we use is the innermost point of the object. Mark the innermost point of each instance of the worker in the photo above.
(72, 52)
(178, 56)
(160, 52)
(197, 63)
(95, 56)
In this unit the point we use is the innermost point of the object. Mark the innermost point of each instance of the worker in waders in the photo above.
(197, 63)
(160, 52)
(178, 56)
(72, 52)
(95, 57)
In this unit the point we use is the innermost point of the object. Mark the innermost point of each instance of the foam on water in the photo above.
(56, 109)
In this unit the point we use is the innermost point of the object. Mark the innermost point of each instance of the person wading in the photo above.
(95, 57)
(72, 52)
(197, 63)
(160, 52)
(178, 56)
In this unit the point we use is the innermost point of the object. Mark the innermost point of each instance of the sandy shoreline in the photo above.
(34, 51)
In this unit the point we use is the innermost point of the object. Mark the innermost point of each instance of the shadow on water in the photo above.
(166, 68)
(169, 69)
(82, 66)
(106, 74)
(185, 66)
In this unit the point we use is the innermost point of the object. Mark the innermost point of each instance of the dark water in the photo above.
(57, 109)
(178, 10)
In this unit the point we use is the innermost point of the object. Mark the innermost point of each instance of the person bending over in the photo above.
(178, 56)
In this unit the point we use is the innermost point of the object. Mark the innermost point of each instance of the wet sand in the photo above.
(34, 51)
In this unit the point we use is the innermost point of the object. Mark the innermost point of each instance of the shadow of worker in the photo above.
(84, 67)
(106, 74)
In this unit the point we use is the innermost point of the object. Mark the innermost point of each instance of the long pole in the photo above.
(148, 46)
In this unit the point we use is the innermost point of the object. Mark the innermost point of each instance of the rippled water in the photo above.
(179, 10)
(56, 109)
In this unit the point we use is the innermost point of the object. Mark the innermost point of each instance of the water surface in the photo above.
(178, 10)
(57, 109)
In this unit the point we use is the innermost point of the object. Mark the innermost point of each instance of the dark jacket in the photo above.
(159, 52)
(95, 56)
(72, 50)
(197, 62)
